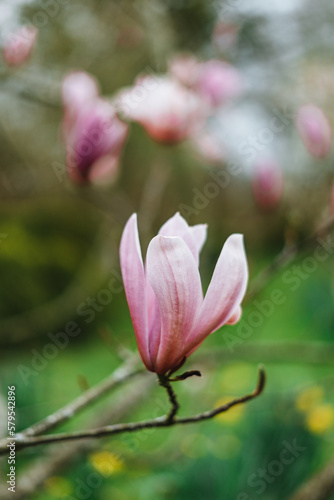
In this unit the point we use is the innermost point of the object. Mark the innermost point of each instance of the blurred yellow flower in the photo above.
(232, 415)
(309, 398)
(320, 419)
(58, 487)
(237, 377)
(106, 463)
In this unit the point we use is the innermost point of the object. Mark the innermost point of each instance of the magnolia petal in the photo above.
(134, 283)
(236, 315)
(174, 277)
(199, 233)
(177, 226)
(225, 291)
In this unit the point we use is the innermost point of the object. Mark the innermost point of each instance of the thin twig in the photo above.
(109, 430)
(120, 375)
(59, 457)
(164, 382)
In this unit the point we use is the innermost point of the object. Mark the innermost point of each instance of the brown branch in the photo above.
(109, 430)
(319, 487)
(164, 382)
(68, 411)
(59, 457)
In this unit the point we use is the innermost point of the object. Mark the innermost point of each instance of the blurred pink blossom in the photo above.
(169, 112)
(215, 81)
(314, 130)
(208, 148)
(218, 82)
(169, 315)
(185, 69)
(95, 142)
(93, 133)
(19, 45)
(267, 183)
(78, 89)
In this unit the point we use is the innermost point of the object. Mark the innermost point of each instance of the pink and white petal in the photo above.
(199, 233)
(134, 283)
(225, 291)
(174, 277)
(154, 320)
(236, 315)
(178, 226)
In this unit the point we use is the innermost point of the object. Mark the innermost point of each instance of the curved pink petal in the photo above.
(225, 291)
(178, 226)
(134, 283)
(174, 277)
(236, 315)
(199, 233)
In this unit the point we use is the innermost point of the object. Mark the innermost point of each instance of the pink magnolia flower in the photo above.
(218, 82)
(78, 89)
(208, 148)
(169, 315)
(94, 143)
(18, 47)
(168, 112)
(184, 68)
(93, 133)
(314, 130)
(267, 183)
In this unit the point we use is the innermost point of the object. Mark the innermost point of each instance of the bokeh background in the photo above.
(59, 249)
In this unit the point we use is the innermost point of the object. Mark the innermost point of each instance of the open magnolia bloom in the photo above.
(169, 315)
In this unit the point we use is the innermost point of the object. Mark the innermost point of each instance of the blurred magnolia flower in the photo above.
(184, 68)
(94, 143)
(169, 315)
(19, 45)
(93, 133)
(208, 148)
(267, 183)
(314, 130)
(168, 112)
(78, 88)
(218, 82)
